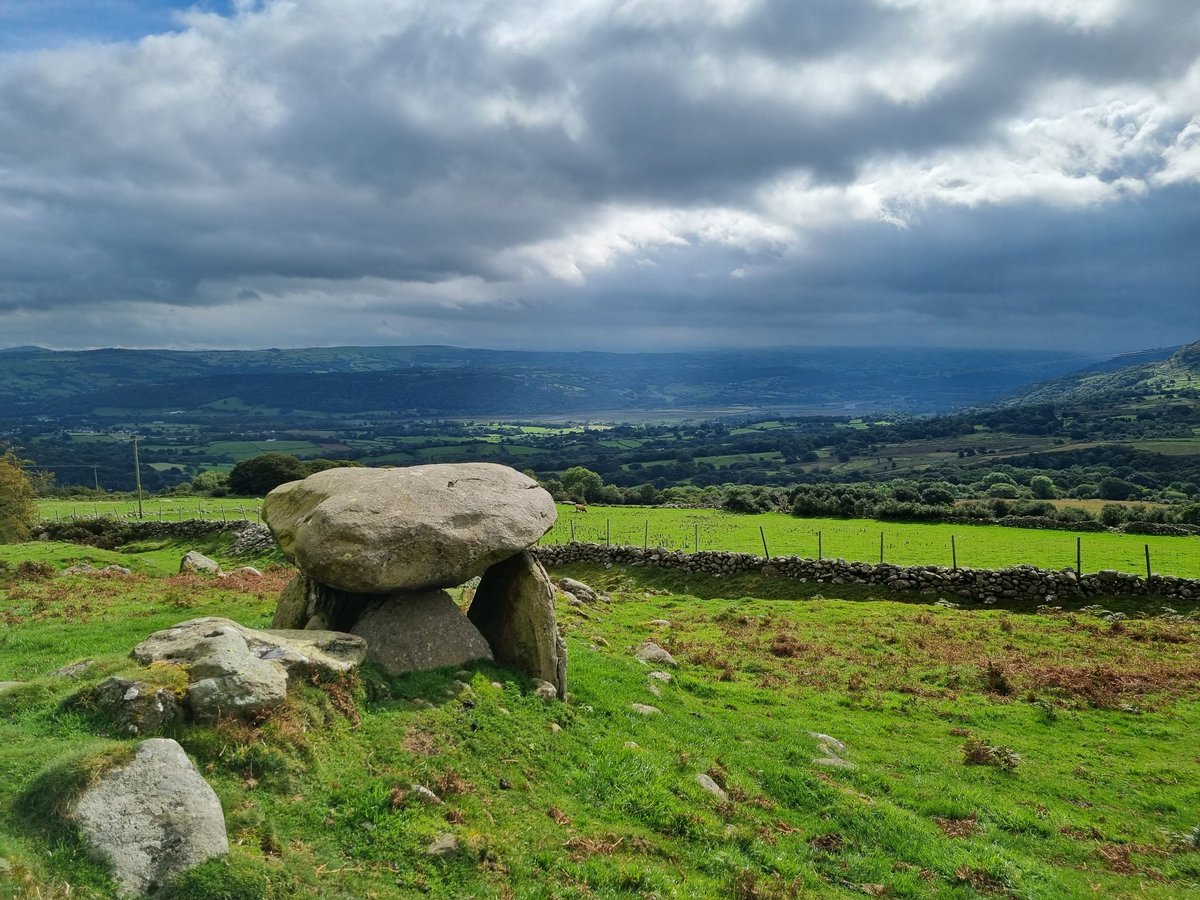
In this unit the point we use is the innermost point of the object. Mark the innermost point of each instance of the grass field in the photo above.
(168, 509)
(978, 546)
(1099, 800)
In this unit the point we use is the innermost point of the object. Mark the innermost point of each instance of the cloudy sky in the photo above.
(608, 174)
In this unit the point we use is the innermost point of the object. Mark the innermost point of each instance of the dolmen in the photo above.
(377, 548)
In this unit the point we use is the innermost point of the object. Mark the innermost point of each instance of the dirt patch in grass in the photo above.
(1108, 687)
(959, 828)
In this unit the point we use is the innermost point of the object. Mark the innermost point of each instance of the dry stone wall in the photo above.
(1017, 584)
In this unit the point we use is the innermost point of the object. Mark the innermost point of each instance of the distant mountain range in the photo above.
(116, 385)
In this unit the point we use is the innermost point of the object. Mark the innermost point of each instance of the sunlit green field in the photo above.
(166, 509)
(1082, 781)
(905, 543)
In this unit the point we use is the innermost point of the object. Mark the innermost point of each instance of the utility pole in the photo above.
(96, 476)
(137, 475)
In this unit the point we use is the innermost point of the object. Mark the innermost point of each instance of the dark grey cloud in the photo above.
(688, 173)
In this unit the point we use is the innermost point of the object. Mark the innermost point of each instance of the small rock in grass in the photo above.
(545, 690)
(503, 711)
(632, 745)
(443, 846)
(654, 689)
(194, 561)
(835, 752)
(659, 623)
(497, 685)
(554, 727)
(705, 781)
(660, 676)
(117, 570)
(643, 709)
(650, 652)
(425, 795)
(248, 571)
(577, 589)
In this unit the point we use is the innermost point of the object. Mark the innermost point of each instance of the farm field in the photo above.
(168, 509)
(1083, 782)
(905, 543)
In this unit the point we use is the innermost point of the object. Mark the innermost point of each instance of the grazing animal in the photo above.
(580, 507)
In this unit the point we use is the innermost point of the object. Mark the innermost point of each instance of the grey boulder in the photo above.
(380, 531)
(513, 609)
(151, 819)
(419, 631)
(234, 670)
(195, 561)
(135, 707)
(650, 652)
(578, 589)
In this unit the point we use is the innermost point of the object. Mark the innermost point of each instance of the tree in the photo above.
(1113, 488)
(18, 503)
(581, 484)
(256, 476)
(1042, 487)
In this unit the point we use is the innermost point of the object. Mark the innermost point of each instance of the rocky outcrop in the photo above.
(378, 531)
(151, 819)
(513, 609)
(375, 547)
(234, 670)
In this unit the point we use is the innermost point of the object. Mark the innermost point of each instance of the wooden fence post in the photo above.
(820, 549)
(1078, 555)
(1147, 562)
(953, 554)
(762, 534)
(881, 548)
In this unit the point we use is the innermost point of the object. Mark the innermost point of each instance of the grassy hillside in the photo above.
(1176, 376)
(592, 799)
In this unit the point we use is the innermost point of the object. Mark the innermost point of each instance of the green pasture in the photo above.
(240, 450)
(905, 543)
(164, 509)
(1096, 792)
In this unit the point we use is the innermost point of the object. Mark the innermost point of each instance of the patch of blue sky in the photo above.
(28, 25)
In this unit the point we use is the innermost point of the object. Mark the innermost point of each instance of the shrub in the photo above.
(981, 753)
(18, 506)
(34, 570)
